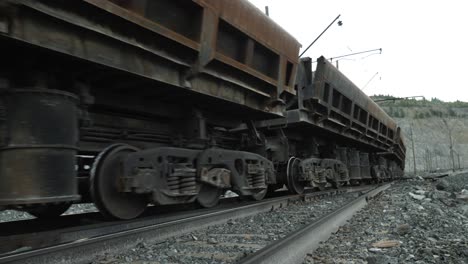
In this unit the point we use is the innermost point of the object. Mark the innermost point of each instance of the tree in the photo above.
(451, 112)
(402, 113)
(450, 125)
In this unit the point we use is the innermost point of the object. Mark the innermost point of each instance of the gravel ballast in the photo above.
(230, 242)
(13, 215)
(415, 221)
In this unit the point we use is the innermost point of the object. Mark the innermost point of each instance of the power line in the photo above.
(370, 81)
(355, 53)
(339, 24)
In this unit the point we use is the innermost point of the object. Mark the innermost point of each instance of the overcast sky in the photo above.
(424, 48)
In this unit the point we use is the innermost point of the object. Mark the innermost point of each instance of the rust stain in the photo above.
(248, 18)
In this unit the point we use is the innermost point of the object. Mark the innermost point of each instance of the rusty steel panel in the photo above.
(240, 14)
(129, 36)
(248, 18)
(137, 7)
(327, 73)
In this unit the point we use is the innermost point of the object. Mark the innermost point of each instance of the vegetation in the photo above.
(421, 108)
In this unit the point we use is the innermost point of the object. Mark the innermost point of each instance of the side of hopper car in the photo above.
(332, 133)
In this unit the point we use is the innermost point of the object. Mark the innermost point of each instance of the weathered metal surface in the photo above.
(365, 165)
(141, 38)
(332, 108)
(174, 175)
(354, 165)
(205, 30)
(327, 73)
(37, 162)
(217, 177)
(251, 20)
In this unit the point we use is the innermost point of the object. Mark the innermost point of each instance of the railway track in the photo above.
(294, 247)
(80, 242)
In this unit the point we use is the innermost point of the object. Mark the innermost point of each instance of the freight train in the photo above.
(125, 103)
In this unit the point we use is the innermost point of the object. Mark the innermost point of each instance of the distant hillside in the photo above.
(420, 109)
(431, 122)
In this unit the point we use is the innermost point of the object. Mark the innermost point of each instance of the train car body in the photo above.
(129, 102)
(330, 125)
(174, 74)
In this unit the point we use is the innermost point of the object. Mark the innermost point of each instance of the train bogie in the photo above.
(169, 175)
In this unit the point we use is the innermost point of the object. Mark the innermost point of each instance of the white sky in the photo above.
(424, 48)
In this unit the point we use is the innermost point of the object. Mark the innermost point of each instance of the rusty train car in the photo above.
(126, 103)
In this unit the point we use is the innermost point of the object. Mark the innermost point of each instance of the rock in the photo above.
(212, 241)
(381, 259)
(448, 202)
(439, 211)
(462, 196)
(420, 192)
(436, 194)
(386, 244)
(416, 196)
(442, 185)
(464, 210)
(403, 229)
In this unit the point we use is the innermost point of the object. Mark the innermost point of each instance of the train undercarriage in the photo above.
(122, 168)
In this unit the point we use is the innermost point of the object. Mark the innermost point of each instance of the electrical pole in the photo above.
(450, 142)
(412, 144)
(451, 151)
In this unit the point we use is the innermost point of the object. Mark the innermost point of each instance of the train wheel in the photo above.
(49, 211)
(105, 180)
(293, 175)
(208, 196)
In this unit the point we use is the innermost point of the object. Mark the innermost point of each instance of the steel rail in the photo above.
(294, 247)
(83, 250)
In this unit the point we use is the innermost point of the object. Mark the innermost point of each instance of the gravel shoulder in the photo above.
(415, 221)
